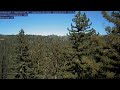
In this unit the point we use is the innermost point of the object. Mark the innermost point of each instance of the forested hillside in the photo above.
(82, 54)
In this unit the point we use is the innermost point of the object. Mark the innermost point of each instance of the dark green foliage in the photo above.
(113, 39)
(80, 35)
(92, 55)
(24, 66)
(114, 18)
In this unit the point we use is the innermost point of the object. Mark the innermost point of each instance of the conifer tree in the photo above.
(114, 18)
(24, 67)
(113, 38)
(79, 36)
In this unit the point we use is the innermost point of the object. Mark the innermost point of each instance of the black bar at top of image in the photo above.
(35, 5)
(59, 5)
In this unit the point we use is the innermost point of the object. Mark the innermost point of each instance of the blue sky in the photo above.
(47, 24)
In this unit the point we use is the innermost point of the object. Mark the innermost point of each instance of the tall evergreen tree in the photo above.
(23, 64)
(113, 38)
(79, 35)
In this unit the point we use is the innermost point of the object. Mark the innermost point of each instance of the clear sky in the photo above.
(47, 24)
